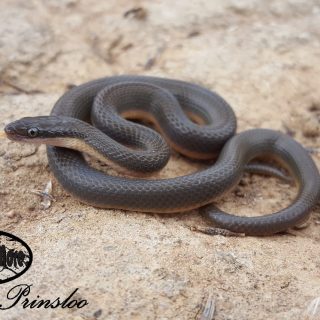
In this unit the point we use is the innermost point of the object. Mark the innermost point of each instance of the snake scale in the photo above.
(195, 121)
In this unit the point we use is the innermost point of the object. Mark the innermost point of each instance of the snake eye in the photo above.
(33, 132)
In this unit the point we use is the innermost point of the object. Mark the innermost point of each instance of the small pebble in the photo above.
(98, 313)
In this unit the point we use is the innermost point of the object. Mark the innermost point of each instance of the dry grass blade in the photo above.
(47, 198)
(313, 310)
(208, 309)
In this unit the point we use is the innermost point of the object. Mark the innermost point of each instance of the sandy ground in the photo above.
(261, 56)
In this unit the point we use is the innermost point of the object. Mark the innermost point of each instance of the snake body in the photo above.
(174, 107)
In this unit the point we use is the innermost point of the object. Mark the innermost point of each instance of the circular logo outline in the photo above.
(28, 265)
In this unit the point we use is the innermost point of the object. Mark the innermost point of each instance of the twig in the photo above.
(19, 89)
(151, 61)
(212, 231)
(138, 13)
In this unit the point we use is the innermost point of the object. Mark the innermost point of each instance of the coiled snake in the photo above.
(194, 121)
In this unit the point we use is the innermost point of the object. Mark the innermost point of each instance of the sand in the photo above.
(261, 56)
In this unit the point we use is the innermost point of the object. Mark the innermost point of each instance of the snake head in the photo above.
(42, 129)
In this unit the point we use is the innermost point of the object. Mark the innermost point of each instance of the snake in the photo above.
(105, 118)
